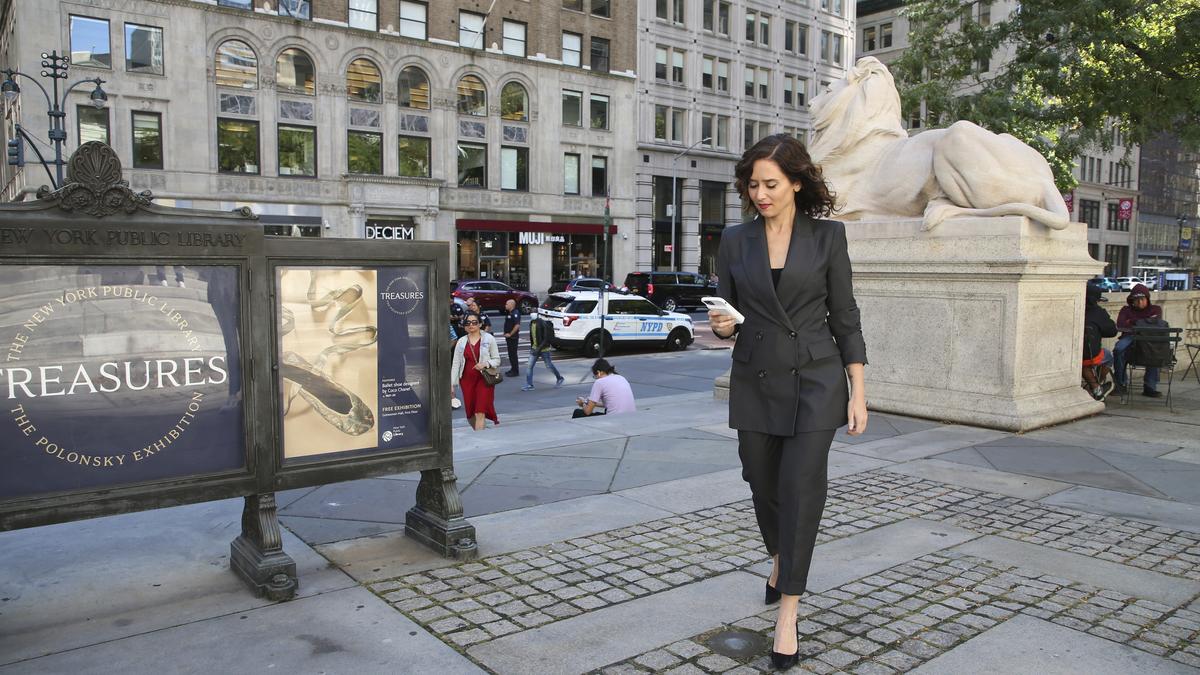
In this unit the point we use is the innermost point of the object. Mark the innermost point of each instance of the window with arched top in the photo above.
(236, 65)
(363, 82)
(514, 102)
(472, 97)
(413, 88)
(294, 72)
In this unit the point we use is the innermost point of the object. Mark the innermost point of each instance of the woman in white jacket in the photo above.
(475, 351)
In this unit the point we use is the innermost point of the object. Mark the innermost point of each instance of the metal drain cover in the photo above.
(738, 644)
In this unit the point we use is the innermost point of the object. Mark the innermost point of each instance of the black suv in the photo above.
(580, 284)
(670, 290)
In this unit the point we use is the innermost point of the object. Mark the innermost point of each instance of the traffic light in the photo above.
(16, 152)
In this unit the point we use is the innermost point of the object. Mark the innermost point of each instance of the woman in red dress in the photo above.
(475, 351)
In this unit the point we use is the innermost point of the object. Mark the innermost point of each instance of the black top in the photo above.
(776, 272)
(511, 320)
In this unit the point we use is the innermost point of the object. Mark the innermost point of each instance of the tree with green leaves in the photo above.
(1057, 74)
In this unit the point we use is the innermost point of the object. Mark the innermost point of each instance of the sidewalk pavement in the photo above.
(628, 544)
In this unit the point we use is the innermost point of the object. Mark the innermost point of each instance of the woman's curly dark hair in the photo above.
(814, 198)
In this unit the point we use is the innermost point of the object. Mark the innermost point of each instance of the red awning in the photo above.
(528, 226)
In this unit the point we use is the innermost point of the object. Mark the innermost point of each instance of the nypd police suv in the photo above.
(628, 319)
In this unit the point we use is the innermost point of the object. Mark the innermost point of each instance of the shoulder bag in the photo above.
(491, 374)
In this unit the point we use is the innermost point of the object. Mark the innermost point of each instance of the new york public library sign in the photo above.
(153, 357)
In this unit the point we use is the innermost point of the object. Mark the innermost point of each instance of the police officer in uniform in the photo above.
(512, 335)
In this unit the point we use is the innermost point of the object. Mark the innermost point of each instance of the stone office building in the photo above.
(714, 76)
(501, 133)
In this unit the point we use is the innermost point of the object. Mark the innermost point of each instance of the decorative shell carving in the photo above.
(94, 185)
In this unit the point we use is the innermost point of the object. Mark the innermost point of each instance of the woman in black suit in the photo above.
(788, 273)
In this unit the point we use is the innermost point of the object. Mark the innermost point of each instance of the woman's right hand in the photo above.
(722, 324)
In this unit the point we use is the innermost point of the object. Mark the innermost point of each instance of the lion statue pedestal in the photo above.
(980, 323)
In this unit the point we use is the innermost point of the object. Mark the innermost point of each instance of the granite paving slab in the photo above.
(371, 499)
(1161, 588)
(693, 433)
(1079, 434)
(522, 436)
(1190, 455)
(878, 428)
(905, 425)
(1177, 480)
(464, 469)
(77, 584)
(480, 498)
(721, 429)
(372, 559)
(1065, 463)
(692, 494)
(938, 604)
(1134, 507)
(1120, 427)
(635, 473)
(1025, 644)
(324, 530)
(969, 456)
(861, 555)
(665, 448)
(561, 473)
(611, 449)
(592, 639)
(925, 443)
(845, 463)
(988, 480)
(346, 631)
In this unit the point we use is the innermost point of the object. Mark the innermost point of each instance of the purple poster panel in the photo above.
(354, 359)
(117, 375)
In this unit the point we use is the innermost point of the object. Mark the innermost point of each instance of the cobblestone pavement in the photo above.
(885, 622)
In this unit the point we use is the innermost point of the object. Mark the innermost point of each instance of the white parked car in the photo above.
(628, 320)
(1127, 283)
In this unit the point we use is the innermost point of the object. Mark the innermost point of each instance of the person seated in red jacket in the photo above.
(1137, 308)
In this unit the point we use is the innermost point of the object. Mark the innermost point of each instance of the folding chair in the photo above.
(1193, 351)
(1137, 357)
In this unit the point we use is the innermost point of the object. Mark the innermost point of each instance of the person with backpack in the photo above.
(1137, 309)
(1097, 324)
(541, 332)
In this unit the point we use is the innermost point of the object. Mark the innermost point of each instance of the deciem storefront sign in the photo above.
(390, 229)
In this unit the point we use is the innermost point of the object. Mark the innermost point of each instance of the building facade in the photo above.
(504, 134)
(1170, 205)
(1106, 196)
(714, 76)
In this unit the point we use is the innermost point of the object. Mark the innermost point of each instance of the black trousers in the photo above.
(512, 354)
(787, 476)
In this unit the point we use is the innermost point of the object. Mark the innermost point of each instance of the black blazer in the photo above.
(785, 377)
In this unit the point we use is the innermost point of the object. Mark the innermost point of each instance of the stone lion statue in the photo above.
(877, 170)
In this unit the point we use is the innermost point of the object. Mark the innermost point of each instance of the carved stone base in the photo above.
(437, 521)
(257, 555)
(976, 322)
(268, 574)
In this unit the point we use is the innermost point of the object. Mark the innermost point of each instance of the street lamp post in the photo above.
(54, 67)
(674, 194)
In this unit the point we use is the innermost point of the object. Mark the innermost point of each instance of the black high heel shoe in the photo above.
(772, 596)
(784, 661)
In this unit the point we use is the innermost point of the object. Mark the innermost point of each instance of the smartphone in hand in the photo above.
(719, 305)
